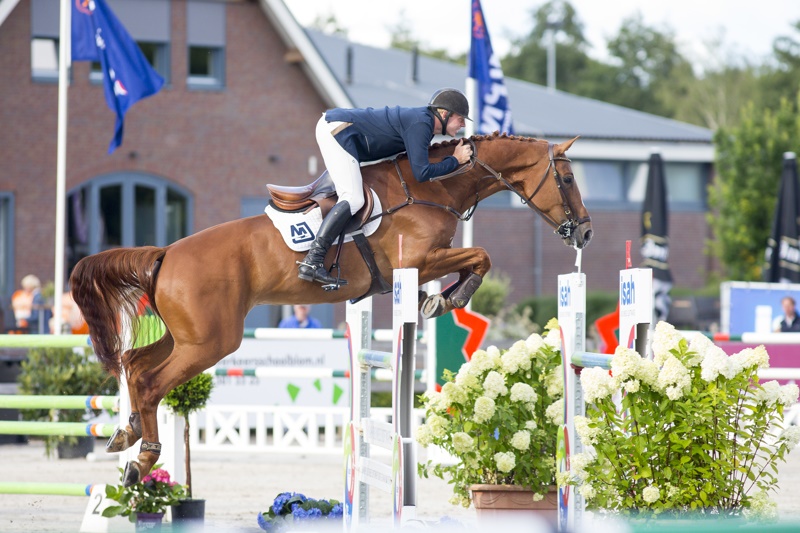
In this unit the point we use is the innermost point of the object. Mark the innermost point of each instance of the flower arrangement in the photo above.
(695, 432)
(291, 509)
(498, 416)
(153, 494)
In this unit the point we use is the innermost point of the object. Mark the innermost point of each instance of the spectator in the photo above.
(789, 321)
(30, 312)
(71, 317)
(300, 319)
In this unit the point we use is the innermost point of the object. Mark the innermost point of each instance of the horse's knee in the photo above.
(483, 263)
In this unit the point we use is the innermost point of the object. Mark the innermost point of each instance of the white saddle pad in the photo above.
(299, 230)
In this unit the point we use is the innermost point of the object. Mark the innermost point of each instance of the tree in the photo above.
(328, 23)
(742, 198)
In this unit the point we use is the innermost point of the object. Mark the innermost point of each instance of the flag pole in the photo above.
(64, 53)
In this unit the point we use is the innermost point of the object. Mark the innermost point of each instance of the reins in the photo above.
(564, 230)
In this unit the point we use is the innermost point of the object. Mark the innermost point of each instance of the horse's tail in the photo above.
(108, 288)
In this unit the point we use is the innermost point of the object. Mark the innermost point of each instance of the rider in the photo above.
(347, 137)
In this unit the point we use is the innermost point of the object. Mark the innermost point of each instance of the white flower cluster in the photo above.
(424, 436)
(553, 338)
(534, 343)
(587, 434)
(462, 442)
(715, 363)
(762, 507)
(674, 378)
(578, 463)
(587, 491)
(495, 385)
(481, 362)
(771, 393)
(665, 338)
(484, 409)
(651, 494)
(467, 377)
(791, 436)
(554, 381)
(438, 425)
(517, 357)
(522, 392)
(505, 461)
(521, 440)
(597, 384)
(555, 412)
(454, 393)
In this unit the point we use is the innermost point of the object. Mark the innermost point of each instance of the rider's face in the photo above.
(455, 123)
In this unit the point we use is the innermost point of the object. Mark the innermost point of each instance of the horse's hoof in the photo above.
(119, 441)
(131, 475)
(433, 306)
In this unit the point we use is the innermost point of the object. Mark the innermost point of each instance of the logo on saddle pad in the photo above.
(301, 233)
(299, 229)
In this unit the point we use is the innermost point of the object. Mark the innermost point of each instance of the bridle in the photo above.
(563, 230)
(566, 228)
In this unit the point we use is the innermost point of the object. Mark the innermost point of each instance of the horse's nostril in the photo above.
(587, 236)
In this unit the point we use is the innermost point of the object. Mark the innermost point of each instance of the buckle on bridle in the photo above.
(565, 229)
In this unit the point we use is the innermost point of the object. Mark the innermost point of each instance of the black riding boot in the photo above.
(312, 267)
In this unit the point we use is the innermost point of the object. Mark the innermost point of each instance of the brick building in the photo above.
(245, 85)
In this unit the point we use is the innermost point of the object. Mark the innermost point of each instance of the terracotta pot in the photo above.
(149, 522)
(513, 501)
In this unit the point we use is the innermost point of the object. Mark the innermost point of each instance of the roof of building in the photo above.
(380, 77)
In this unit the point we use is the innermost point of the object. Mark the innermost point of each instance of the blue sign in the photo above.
(398, 291)
(627, 292)
(564, 296)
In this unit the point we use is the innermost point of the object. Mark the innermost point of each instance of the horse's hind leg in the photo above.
(147, 357)
(447, 260)
(151, 385)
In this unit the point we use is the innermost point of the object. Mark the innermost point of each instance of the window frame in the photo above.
(213, 82)
(8, 201)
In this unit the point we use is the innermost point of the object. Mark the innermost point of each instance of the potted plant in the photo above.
(144, 502)
(498, 417)
(184, 400)
(292, 510)
(696, 433)
(59, 372)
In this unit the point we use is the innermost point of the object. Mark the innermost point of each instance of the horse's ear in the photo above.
(562, 148)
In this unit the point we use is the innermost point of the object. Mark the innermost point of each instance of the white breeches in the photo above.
(345, 171)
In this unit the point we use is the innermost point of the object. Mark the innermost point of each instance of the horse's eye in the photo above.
(568, 179)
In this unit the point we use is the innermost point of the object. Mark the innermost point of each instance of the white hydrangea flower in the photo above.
(553, 339)
(555, 412)
(562, 478)
(631, 386)
(597, 384)
(495, 384)
(672, 490)
(554, 382)
(462, 442)
(468, 380)
(789, 394)
(523, 354)
(587, 434)
(762, 507)
(538, 497)
(530, 425)
(648, 372)
(424, 436)
(435, 401)
(625, 363)
(438, 425)
(716, 363)
(481, 362)
(791, 436)
(673, 375)
(587, 491)
(665, 338)
(454, 393)
(522, 392)
(484, 409)
(534, 343)
(578, 463)
(511, 359)
(701, 345)
(769, 393)
(674, 393)
(521, 440)
(494, 354)
(651, 494)
(752, 357)
(505, 461)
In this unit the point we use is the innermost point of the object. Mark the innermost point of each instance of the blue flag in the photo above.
(97, 35)
(494, 113)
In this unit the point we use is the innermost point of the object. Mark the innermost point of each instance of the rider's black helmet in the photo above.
(452, 100)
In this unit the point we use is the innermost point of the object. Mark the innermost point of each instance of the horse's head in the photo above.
(540, 173)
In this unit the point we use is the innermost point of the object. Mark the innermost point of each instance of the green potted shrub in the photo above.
(63, 372)
(184, 400)
(146, 501)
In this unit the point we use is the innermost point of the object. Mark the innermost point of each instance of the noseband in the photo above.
(566, 228)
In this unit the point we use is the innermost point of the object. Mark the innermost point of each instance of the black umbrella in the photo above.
(655, 236)
(782, 257)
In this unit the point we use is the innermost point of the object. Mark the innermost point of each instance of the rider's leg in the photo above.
(346, 176)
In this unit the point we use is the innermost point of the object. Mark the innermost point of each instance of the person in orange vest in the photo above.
(30, 312)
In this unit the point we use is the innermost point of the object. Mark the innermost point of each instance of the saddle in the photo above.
(319, 193)
(322, 193)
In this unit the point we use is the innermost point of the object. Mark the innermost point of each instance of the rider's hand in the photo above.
(463, 152)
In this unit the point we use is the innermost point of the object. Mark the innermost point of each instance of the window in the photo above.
(125, 210)
(6, 248)
(205, 36)
(44, 58)
(157, 54)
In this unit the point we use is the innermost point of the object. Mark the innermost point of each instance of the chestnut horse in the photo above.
(202, 286)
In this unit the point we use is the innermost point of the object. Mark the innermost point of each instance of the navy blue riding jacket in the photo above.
(380, 133)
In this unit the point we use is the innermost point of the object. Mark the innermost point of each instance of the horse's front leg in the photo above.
(472, 264)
